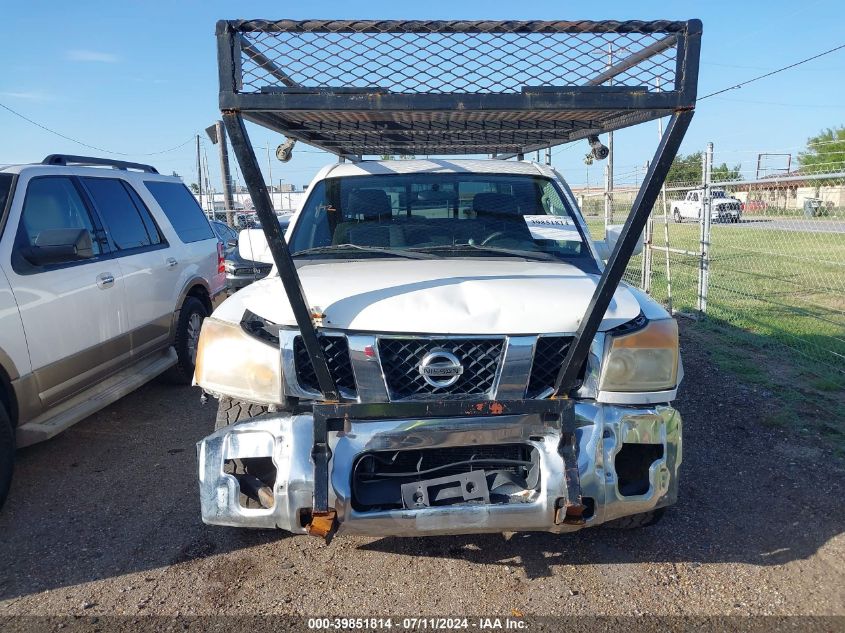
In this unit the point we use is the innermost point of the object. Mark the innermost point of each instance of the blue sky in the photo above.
(140, 77)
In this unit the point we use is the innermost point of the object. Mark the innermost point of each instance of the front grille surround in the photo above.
(391, 374)
(549, 353)
(480, 356)
(336, 349)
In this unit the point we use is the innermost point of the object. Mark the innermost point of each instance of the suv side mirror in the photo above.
(252, 246)
(605, 247)
(57, 246)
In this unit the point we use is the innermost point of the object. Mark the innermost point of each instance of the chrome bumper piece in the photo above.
(602, 431)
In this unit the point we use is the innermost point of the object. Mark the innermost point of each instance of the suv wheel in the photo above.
(191, 316)
(230, 411)
(7, 454)
(636, 521)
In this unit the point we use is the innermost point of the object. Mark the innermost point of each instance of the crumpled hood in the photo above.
(453, 296)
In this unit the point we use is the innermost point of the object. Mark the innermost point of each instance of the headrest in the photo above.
(498, 203)
(372, 204)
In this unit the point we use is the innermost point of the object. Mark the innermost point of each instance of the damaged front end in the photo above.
(558, 468)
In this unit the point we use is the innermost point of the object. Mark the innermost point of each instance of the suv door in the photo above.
(71, 308)
(149, 266)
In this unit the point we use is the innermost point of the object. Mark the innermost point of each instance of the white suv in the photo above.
(107, 270)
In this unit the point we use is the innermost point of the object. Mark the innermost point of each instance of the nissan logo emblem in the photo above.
(440, 368)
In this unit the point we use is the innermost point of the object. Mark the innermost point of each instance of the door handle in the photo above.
(105, 280)
(171, 262)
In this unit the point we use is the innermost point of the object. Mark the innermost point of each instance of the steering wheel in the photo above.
(493, 236)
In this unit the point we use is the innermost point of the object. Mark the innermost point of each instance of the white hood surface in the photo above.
(450, 296)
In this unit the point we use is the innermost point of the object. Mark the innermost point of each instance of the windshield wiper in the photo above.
(340, 248)
(513, 252)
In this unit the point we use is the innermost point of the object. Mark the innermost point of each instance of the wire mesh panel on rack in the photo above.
(454, 87)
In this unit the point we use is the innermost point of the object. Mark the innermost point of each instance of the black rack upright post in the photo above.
(281, 254)
(632, 230)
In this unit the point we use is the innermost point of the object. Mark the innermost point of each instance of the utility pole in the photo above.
(608, 168)
(217, 134)
(199, 172)
(270, 176)
(549, 156)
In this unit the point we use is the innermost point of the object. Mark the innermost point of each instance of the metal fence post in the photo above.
(705, 221)
(648, 239)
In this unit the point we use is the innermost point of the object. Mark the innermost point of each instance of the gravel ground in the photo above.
(105, 520)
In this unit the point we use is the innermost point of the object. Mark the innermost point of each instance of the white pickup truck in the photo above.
(724, 208)
(433, 280)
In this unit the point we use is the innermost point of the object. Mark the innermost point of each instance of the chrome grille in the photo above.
(336, 349)
(401, 358)
(548, 359)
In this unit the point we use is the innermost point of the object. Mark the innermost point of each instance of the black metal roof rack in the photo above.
(84, 161)
(355, 87)
(435, 87)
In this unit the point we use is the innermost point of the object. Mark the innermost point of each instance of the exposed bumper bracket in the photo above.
(337, 416)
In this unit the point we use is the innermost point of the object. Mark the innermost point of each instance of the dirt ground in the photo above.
(105, 520)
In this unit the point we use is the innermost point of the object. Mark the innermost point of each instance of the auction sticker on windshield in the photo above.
(552, 227)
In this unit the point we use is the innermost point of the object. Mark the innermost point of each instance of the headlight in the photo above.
(233, 363)
(646, 360)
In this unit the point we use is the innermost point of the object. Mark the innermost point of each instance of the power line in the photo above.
(774, 72)
(88, 145)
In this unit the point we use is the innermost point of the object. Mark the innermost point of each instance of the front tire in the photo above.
(188, 326)
(231, 411)
(7, 454)
(636, 521)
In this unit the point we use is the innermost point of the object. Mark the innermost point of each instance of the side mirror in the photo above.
(252, 246)
(58, 246)
(605, 247)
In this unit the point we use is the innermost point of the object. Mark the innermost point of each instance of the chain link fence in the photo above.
(770, 261)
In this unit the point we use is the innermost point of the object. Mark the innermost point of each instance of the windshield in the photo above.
(445, 215)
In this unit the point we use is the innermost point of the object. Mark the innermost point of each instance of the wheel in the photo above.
(636, 521)
(677, 215)
(230, 411)
(191, 316)
(7, 453)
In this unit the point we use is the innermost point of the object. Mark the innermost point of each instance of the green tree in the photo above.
(195, 187)
(687, 170)
(723, 173)
(825, 152)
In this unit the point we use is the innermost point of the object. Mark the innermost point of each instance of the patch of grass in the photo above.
(775, 312)
(828, 383)
(778, 420)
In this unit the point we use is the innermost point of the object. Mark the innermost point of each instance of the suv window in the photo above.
(181, 208)
(53, 203)
(224, 231)
(129, 224)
